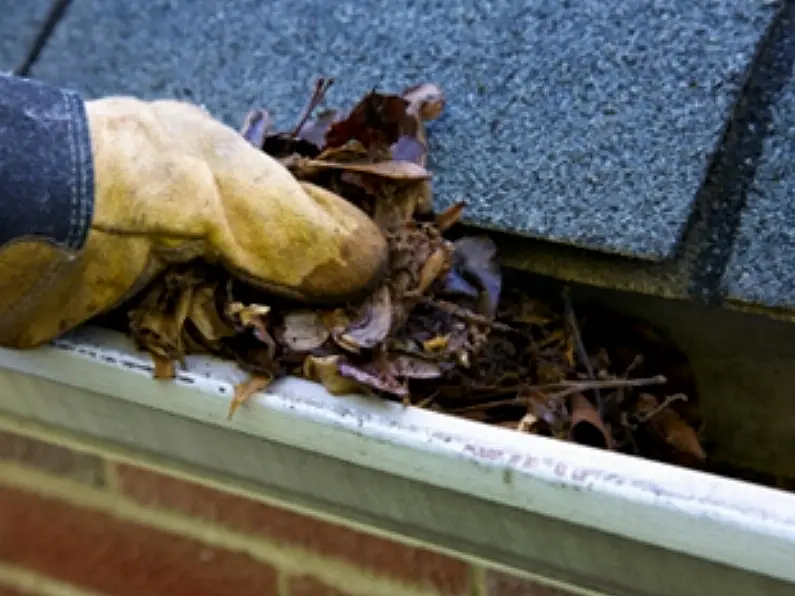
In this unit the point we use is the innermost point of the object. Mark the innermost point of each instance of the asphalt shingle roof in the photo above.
(761, 266)
(585, 121)
(19, 25)
(599, 124)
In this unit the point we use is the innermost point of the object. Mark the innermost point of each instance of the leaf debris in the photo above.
(447, 329)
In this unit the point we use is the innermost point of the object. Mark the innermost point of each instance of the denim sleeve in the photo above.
(46, 166)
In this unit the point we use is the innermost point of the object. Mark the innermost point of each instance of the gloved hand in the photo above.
(173, 184)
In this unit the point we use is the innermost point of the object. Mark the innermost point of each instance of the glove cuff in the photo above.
(46, 166)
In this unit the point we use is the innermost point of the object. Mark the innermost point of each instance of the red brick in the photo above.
(308, 586)
(391, 559)
(500, 584)
(106, 554)
(51, 458)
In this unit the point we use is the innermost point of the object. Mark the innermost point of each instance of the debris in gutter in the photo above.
(448, 329)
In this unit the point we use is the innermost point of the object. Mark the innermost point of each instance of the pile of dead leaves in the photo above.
(445, 330)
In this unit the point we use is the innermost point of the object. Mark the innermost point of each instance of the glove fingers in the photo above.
(190, 183)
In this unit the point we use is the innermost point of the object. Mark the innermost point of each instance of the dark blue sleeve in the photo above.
(46, 166)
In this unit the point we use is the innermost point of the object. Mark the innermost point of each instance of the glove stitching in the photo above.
(85, 194)
(73, 182)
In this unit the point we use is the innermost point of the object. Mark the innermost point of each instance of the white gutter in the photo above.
(600, 520)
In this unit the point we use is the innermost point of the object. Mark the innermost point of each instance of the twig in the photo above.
(565, 388)
(321, 86)
(579, 347)
(669, 399)
(602, 384)
(463, 313)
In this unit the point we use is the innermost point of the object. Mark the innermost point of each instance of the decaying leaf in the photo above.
(411, 367)
(325, 370)
(304, 330)
(475, 260)
(437, 264)
(449, 217)
(395, 170)
(377, 375)
(255, 127)
(587, 426)
(372, 325)
(164, 368)
(425, 100)
(666, 424)
(447, 328)
(377, 122)
(244, 392)
(210, 327)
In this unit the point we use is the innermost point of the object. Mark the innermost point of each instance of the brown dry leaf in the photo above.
(377, 121)
(164, 368)
(325, 370)
(394, 170)
(437, 343)
(353, 152)
(475, 259)
(256, 126)
(437, 265)
(426, 101)
(206, 319)
(247, 314)
(587, 427)
(396, 205)
(670, 427)
(372, 325)
(546, 409)
(159, 321)
(450, 216)
(304, 330)
(253, 317)
(336, 320)
(412, 367)
(244, 391)
(527, 424)
(378, 375)
(410, 150)
(158, 333)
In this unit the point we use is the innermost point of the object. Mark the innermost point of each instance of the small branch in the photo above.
(579, 347)
(564, 388)
(321, 86)
(669, 399)
(465, 314)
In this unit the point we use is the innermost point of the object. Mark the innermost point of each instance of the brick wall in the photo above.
(77, 521)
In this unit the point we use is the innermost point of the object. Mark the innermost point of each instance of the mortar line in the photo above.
(478, 573)
(282, 583)
(286, 558)
(114, 454)
(36, 583)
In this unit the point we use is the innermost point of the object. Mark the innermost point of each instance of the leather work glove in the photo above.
(171, 184)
